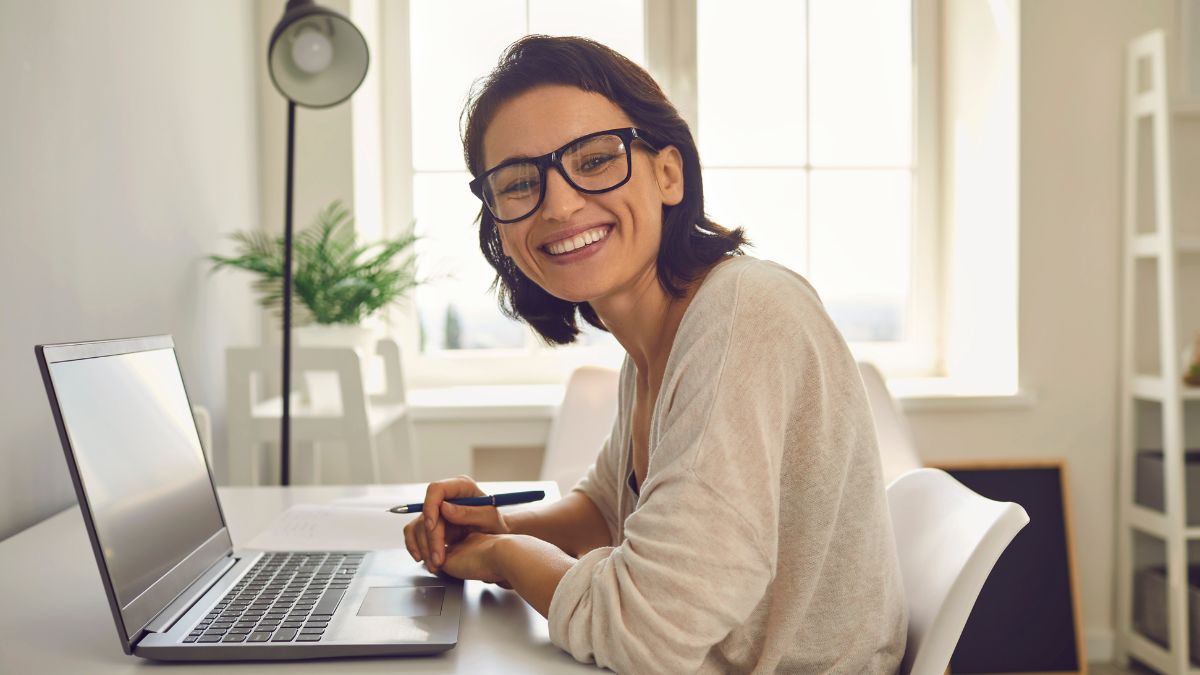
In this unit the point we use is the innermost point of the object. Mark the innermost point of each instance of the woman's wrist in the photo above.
(531, 566)
(505, 551)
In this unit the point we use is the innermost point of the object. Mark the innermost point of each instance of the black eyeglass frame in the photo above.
(554, 159)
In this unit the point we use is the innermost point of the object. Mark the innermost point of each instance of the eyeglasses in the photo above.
(592, 164)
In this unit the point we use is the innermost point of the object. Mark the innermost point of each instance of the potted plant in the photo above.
(337, 282)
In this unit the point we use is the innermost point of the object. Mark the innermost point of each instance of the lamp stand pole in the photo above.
(286, 418)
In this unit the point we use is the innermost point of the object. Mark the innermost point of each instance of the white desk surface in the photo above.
(56, 617)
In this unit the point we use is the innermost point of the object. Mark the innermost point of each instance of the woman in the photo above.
(735, 519)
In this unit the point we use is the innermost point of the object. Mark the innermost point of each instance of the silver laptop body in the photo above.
(161, 542)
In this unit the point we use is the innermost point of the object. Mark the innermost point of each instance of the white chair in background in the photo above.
(204, 429)
(361, 422)
(897, 452)
(583, 422)
(948, 539)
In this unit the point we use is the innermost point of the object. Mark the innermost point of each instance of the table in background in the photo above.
(56, 618)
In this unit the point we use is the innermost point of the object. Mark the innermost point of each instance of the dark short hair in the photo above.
(691, 243)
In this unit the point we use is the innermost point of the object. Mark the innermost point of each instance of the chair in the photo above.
(948, 539)
(360, 421)
(204, 430)
(897, 452)
(583, 422)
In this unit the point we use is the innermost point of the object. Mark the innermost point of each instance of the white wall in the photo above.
(128, 132)
(1070, 126)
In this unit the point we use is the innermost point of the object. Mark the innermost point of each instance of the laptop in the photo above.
(177, 588)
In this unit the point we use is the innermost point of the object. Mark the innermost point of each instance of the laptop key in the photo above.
(308, 637)
(190, 638)
(239, 637)
(284, 635)
(209, 638)
(259, 636)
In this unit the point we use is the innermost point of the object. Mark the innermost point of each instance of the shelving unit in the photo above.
(1155, 253)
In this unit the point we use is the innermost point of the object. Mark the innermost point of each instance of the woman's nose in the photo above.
(561, 199)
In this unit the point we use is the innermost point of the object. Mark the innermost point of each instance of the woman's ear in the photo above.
(668, 171)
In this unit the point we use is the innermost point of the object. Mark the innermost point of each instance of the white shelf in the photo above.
(1145, 245)
(1150, 245)
(1167, 247)
(1148, 521)
(1149, 652)
(1151, 388)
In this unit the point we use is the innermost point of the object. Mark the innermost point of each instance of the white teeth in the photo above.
(578, 241)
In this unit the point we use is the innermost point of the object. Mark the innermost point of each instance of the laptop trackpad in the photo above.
(403, 601)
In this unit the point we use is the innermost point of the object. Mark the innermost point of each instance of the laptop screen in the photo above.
(139, 461)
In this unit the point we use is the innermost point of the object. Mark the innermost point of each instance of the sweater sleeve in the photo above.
(699, 551)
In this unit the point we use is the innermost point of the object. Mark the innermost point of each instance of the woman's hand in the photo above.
(475, 557)
(441, 524)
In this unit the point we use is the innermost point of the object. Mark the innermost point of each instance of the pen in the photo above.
(487, 500)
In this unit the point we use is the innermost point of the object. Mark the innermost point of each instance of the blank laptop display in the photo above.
(177, 589)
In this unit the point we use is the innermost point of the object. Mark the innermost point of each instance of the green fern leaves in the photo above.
(335, 279)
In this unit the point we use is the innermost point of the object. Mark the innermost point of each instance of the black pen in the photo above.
(487, 500)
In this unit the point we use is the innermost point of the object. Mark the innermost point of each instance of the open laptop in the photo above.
(177, 589)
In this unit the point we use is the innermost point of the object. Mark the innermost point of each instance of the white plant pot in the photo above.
(322, 390)
(360, 337)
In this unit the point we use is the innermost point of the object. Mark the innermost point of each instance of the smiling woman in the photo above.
(735, 518)
(512, 106)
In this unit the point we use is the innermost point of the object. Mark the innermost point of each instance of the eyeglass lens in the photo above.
(594, 164)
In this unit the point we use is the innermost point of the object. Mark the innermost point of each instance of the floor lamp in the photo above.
(317, 58)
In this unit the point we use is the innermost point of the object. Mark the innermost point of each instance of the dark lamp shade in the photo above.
(317, 57)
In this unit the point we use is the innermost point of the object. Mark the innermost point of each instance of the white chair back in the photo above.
(948, 539)
(583, 422)
(204, 428)
(351, 417)
(897, 451)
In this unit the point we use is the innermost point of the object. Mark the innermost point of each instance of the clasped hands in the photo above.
(459, 540)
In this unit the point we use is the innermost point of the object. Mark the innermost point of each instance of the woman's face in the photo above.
(623, 225)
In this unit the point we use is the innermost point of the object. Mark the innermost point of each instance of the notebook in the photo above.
(177, 588)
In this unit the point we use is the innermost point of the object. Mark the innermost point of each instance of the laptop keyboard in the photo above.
(285, 597)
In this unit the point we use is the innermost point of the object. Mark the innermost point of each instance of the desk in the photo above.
(56, 619)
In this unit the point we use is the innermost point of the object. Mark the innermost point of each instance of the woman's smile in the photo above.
(576, 243)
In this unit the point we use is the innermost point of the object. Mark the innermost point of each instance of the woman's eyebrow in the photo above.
(517, 156)
(510, 158)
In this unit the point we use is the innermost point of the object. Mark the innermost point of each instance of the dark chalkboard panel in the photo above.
(1026, 619)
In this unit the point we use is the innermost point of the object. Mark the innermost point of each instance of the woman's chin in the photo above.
(574, 295)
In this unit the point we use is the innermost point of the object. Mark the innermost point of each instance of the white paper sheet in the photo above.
(336, 527)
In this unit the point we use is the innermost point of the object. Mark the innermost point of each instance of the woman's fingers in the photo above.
(485, 518)
(435, 553)
(435, 495)
(425, 537)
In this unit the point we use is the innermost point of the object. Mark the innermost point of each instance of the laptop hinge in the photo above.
(171, 613)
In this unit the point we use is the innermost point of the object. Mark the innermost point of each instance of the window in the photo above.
(804, 115)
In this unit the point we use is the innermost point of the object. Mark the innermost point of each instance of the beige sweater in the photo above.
(760, 541)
